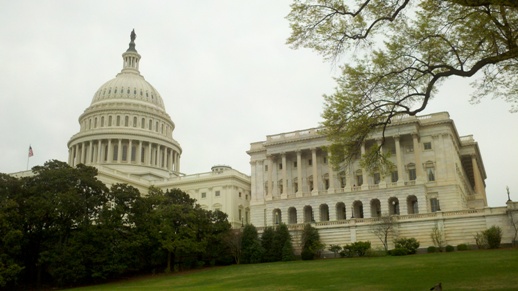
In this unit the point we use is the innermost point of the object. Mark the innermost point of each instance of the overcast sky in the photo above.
(222, 67)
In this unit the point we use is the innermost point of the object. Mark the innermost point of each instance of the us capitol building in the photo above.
(127, 135)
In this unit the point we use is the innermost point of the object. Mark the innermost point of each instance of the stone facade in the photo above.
(438, 181)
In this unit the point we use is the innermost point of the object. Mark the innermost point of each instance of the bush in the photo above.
(493, 236)
(358, 248)
(449, 248)
(310, 240)
(399, 252)
(431, 249)
(480, 240)
(410, 244)
(462, 247)
(335, 249)
(307, 255)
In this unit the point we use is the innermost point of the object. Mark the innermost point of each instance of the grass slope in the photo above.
(470, 270)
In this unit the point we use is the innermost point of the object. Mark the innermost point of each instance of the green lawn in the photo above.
(469, 270)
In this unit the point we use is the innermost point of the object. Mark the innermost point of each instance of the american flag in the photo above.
(30, 152)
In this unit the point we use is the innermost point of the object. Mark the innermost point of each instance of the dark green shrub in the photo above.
(410, 244)
(358, 248)
(310, 240)
(399, 252)
(462, 247)
(346, 253)
(335, 249)
(493, 236)
(449, 248)
(307, 255)
(431, 249)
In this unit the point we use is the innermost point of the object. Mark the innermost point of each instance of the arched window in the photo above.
(277, 216)
(340, 211)
(134, 121)
(357, 209)
(143, 123)
(118, 120)
(308, 214)
(375, 208)
(126, 120)
(292, 215)
(324, 212)
(412, 205)
(393, 203)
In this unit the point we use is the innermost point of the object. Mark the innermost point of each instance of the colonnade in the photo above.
(124, 151)
(312, 178)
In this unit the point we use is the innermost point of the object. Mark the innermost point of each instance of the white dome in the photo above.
(130, 87)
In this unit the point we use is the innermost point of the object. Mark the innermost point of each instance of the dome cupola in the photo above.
(126, 127)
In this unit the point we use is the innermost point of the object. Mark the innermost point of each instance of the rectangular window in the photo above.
(118, 120)
(124, 152)
(240, 216)
(310, 162)
(203, 195)
(135, 121)
(296, 186)
(325, 160)
(266, 168)
(377, 178)
(280, 166)
(359, 180)
(411, 174)
(126, 121)
(239, 194)
(133, 153)
(294, 164)
(434, 203)
(427, 145)
(217, 193)
(342, 181)
(394, 177)
(431, 174)
(115, 152)
(326, 181)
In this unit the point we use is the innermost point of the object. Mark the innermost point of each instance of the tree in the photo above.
(384, 228)
(252, 252)
(282, 246)
(267, 242)
(233, 239)
(311, 244)
(399, 52)
(437, 236)
(493, 236)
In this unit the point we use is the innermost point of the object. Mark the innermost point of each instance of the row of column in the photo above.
(352, 174)
(129, 151)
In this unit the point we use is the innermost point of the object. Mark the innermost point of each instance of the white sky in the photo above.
(222, 67)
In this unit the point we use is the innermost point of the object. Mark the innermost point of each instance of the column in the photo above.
(139, 153)
(479, 185)
(417, 155)
(284, 193)
(299, 174)
(90, 153)
(110, 151)
(99, 151)
(178, 162)
(315, 172)
(331, 177)
(270, 174)
(169, 158)
(70, 156)
(365, 174)
(130, 151)
(351, 181)
(82, 157)
(119, 151)
(149, 154)
(399, 161)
